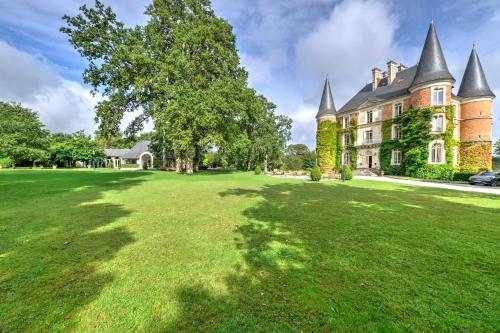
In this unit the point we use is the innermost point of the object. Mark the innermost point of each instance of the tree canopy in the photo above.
(181, 69)
(23, 137)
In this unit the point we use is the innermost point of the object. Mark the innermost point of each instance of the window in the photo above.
(455, 111)
(396, 132)
(437, 96)
(398, 109)
(346, 158)
(437, 123)
(346, 139)
(396, 157)
(369, 117)
(436, 155)
(369, 136)
(346, 122)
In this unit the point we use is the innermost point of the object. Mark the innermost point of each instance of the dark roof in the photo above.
(398, 87)
(327, 106)
(474, 82)
(136, 151)
(432, 65)
(111, 152)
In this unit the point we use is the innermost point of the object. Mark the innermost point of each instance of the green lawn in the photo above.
(150, 251)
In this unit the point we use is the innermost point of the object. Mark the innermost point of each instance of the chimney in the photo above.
(391, 69)
(375, 78)
(401, 67)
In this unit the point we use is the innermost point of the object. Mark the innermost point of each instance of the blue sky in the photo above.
(288, 47)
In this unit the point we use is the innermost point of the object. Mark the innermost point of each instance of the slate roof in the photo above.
(327, 106)
(398, 87)
(111, 152)
(136, 151)
(474, 83)
(432, 65)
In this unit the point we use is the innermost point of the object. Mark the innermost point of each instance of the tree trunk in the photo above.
(178, 164)
(265, 165)
(248, 165)
(189, 165)
(164, 160)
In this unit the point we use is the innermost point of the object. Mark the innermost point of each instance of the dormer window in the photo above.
(437, 96)
(437, 123)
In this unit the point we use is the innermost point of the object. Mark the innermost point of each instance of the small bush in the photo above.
(258, 170)
(462, 176)
(316, 174)
(144, 165)
(5, 162)
(347, 173)
(131, 166)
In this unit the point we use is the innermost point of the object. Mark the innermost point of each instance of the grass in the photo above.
(147, 251)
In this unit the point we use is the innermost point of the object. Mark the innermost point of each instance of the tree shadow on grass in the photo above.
(53, 235)
(322, 258)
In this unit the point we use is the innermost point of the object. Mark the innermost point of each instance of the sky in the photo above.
(287, 46)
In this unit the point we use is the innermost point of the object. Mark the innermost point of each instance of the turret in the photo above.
(476, 114)
(327, 108)
(432, 74)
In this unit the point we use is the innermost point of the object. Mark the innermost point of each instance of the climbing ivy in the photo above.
(386, 148)
(326, 145)
(353, 154)
(338, 151)
(414, 144)
(475, 157)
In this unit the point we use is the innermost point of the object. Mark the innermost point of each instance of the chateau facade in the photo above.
(409, 121)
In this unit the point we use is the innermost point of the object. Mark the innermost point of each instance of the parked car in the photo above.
(486, 178)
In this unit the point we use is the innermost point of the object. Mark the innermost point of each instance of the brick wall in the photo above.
(387, 112)
(475, 124)
(421, 98)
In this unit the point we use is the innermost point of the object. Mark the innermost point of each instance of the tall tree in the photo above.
(497, 148)
(270, 136)
(23, 137)
(68, 148)
(181, 69)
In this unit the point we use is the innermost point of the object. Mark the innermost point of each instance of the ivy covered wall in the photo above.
(351, 148)
(475, 157)
(414, 144)
(386, 148)
(326, 145)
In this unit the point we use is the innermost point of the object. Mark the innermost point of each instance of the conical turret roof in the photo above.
(327, 106)
(474, 82)
(432, 65)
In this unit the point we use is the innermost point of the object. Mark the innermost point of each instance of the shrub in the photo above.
(5, 162)
(131, 166)
(144, 165)
(462, 176)
(347, 173)
(316, 174)
(258, 170)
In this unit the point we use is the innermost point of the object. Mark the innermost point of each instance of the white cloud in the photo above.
(357, 36)
(63, 105)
